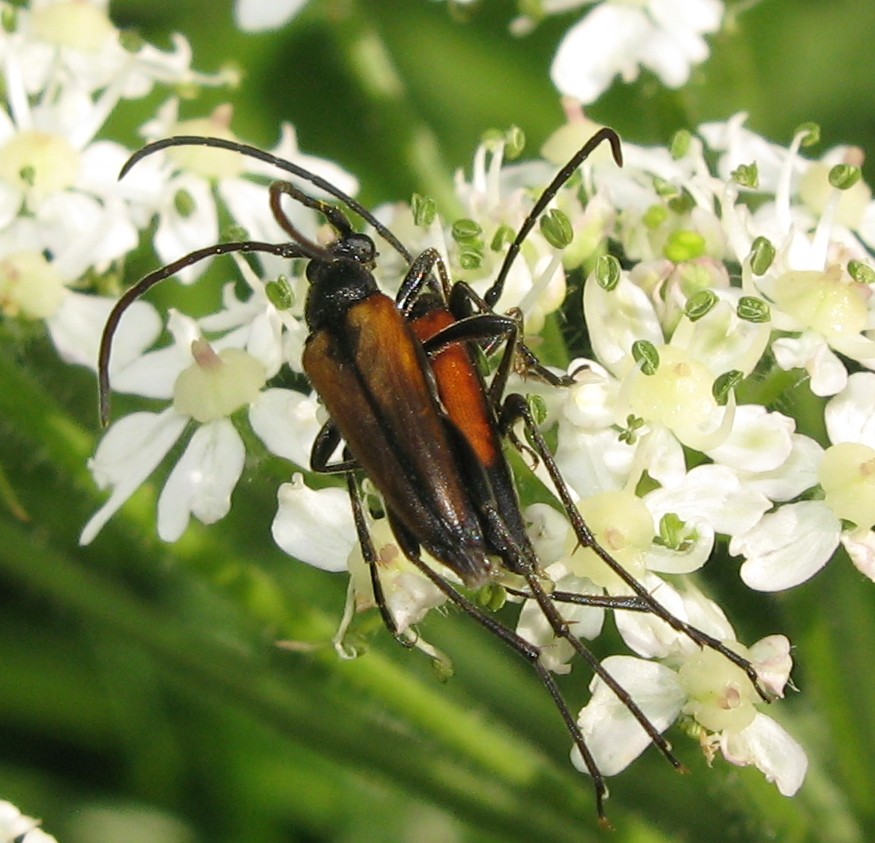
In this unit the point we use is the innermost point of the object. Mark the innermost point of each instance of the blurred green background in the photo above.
(141, 695)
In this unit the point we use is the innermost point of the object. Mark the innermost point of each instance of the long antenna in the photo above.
(494, 292)
(281, 163)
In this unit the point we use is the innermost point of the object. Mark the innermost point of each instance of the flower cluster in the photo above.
(65, 223)
(706, 284)
(736, 281)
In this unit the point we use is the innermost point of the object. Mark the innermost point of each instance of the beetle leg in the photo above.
(369, 553)
(532, 654)
(419, 276)
(515, 408)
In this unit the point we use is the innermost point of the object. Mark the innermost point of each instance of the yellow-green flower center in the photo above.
(216, 385)
(677, 395)
(209, 162)
(623, 525)
(827, 302)
(720, 694)
(81, 25)
(39, 162)
(30, 286)
(847, 476)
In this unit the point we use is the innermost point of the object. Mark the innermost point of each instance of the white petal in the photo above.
(286, 422)
(798, 472)
(850, 415)
(788, 546)
(314, 525)
(589, 403)
(695, 553)
(14, 824)
(593, 462)
(128, 453)
(759, 441)
(584, 621)
(202, 481)
(677, 43)
(614, 737)
(602, 45)
(548, 530)
(77, 327)
(648, 635)
(766, 745)
(773, 662)
(661, 455)
(618, 318)
(860, 546)
(260, 15)
(178, 234)
(712, 494)
(811, 352)
(154, 373)
(706, 615)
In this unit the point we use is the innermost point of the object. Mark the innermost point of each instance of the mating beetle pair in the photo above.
(399, 380)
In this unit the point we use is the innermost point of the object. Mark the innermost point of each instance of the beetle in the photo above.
(405, 396)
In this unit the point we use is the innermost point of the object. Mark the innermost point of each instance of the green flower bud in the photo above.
(811, 131)
(556, 228)
(629, 434)
(470, 259)
(654, 216)
(184, 203)
(538, 408)
(725, 384)
(746, 175)
(844, 176)
(607, 272)
(753, 309)
(235, 233)
(679, 145)
(131, 41)
(682, 203)
(514, 142)
(684, 245)
(672, 532)
(861, 272)
(644, 353)
(279, 293)
(464, 231)
(504, 236)
(700, 304)
(762, 254)
(423, 209)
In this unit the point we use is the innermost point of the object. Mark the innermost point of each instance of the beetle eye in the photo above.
(357, 247)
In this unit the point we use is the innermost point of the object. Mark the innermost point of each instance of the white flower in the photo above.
(315, 526)
(791, 544)
(497, 199)
(206, 386)
(409, 595)
(704, 687)
(811, 294)
(619, 38)
(17, 828)
(75, 39)
(195, 177)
